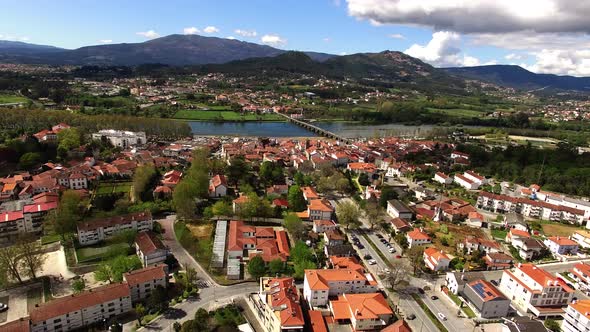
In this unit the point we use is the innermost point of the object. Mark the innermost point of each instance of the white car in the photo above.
(3, 307)
(372, 262)
(392, 250)
(442, 316)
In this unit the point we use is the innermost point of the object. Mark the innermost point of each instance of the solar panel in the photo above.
(479, 289)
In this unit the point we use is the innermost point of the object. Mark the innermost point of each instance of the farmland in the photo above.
(213, 115)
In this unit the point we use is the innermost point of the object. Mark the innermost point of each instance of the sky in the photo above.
(544, 36)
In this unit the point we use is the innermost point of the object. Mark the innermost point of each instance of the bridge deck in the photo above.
(316, 129)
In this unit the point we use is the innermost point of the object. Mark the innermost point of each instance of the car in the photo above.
(442, 316)
(383, 241)
(420, 290)
(360, 246)
(494, 282)
(3, 307)
(386, 271)
(434, 297)
(367, 256)
(392, 250)
(379, 235)
(398, 256)
(372, 262)
(411, 317)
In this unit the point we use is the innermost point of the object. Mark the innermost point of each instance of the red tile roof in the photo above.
(360, 306)
(148, 243)
(317, 322)
(147, 274)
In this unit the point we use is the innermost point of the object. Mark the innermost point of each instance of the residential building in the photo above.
(535, 291)
(94, 231)
(79, 310)
(362, 311)
(319, 209)
(516, 237)
(150, 249)
(522, 324)
(456, 281)
(317, 323)
(346, 263)
(121, 138)
(400, 225)
(582, 238)
(309, 194)
(417, 237)
(471, 175)
(28, 220)
(218, 186)
(442, 178)
(497, 261)
(333, 238)
(399, 326)
(560, 245)
(487, 299)
(141, 282)
(318, 285)
(531, 248)
(239, 202)
(436, 260)
(577, 316)
(278, 305)
(246, 241)
(320, 226)
(471, 243)
(466, 182)
(397, 209)
(581, 274)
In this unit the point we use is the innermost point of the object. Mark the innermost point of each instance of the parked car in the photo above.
(442, 316)
(372, 262)
(360, 246)
(434, 297)
(392, 250)
(420, 290)
(398, 256)
(3, 307)
(411, 317)
(379, 235)
(367, 256)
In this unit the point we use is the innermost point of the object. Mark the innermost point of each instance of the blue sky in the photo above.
(332, 26)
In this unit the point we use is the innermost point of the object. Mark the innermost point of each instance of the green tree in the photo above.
(201, 320)
(78, 285)
(222, 208)
(9, 259)
(66, 216)
(158, 299)
(68, 139)
(300, 252)
(276, 266)
(104, 273)
(552, 325)
(401, 239)
(364, 179)
(294, 226)
(296, 200)
(29, 159)
(31, 255)
(256, 267)
(143, 178)
(348, 214)
(125, 236)
(299, 179)
(343, 186)
(300, 267)
(140, 311)
(387, 194)
(374, 212)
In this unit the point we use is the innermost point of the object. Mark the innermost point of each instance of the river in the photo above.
(286, 129)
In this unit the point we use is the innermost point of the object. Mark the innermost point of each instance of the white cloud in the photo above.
(530, 40)
(514, 56)
(211, 29)
(443, 50)
(478, 16)
(24, 39)
(105, 41)
(230, 37)
(327, 40)
(246, 33)
(273, 40)
(150, 34)
(190, 31)
(561, 62)
(396, 36)
(343, 53)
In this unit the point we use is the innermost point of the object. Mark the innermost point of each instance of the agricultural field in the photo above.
(8, 99)
(555, 229)
(108, 188)
(212, 115)
(457, 112)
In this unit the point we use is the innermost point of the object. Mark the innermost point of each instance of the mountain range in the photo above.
(185, 50)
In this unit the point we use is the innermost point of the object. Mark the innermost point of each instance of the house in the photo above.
(466, 182)
(457, 281)
(46, 136)
(172, 178)
(471, 175)
(497, 261)
(516, 221)
(321, 226)
(522, 324)
(342, 250)
(239, 202)
(442, 178)
(582, 238)
(278, 305)
(581, 275)
(417, 237)
(400, 225)
(559, 245)
(516, 237)
(397, 209)
(218, 186)
(475, 219)
(362, 311)
(333, 238)
(350, 263)
(458, 154)
(94, 231)
(317, 323)
(318, 285)
(150, 249)
(487, 299)
(470, 243)
(436, 260)
(309, 194)
(319, 209)
(245, 241)
(399, 326)
(141, 282)
(530, 249)
(79, 310)
(423, 193)
(577, 316)
(536, 291)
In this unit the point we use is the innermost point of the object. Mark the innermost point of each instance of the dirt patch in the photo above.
(200, 231)
(559, 229)
(448, 239)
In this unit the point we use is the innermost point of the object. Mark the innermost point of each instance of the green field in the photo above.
(212, 115)
(457, 112)
(107, 188)
(7, 99)
(98, 252)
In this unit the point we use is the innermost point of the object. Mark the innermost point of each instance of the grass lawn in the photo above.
(7, 99)
(499, 233)
(50, 238)
(458, 302)
(149, 317)
(224, 115)
(107, 188)
(97, 252)
(555, 229)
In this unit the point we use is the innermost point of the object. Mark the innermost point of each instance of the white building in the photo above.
(278, 305)
(397, 209)
(577, 317)
(121, 138)
(582, 238)
(465, 182)
(417, 237)
(436, 260)
(318, 285)
(150, 249)
(559, 245)
(581, 274)
(94, 231)
(535, 291)
(321, 226)
(142, 282)
(442, 178)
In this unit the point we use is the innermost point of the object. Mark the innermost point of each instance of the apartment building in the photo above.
(245, 241)
(582, 238)
(466, 182)
(536, 291)
(142, 282)
(27, 220)
(94, 231)
(150, 249)
(581, 274)
(121, 138)
(362, 311)
(442, 178)
(560, 245)
(278, 305)
(577, 317)
(318, 285)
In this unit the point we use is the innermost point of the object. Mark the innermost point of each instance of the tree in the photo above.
(387, 194)
(325, 185)
(401, 239)
(552, 325)
(256, 267)
(125, 236)
(9, 259)
(176, 326)
(78, 285)
(348, 214)
(296, 200)
(201, 320)
(158, 299)
(113, 269)
(374, 212)
(29, 159)
(68, 139)
(343, 186)
(188, 279)
(142, 179)
(398, 274)
(237, 170)
(66, 216)
(31, 255)
(294, 225)
(104, 273)
(298, 178)
(364, 179)
(140, 312)
(416, 257)
(222, 208)
(300, 252)
(276, 266)
(301, 266)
